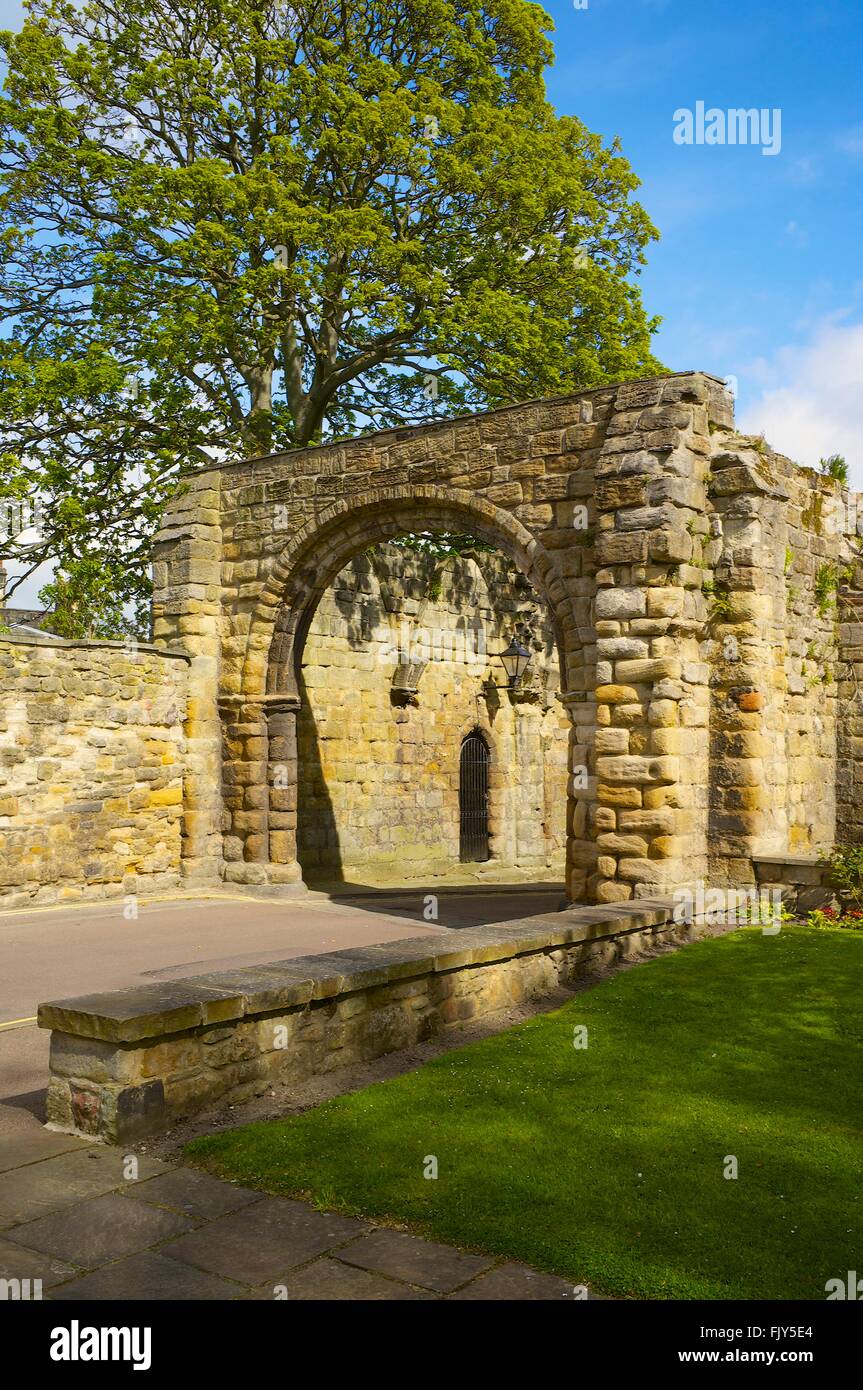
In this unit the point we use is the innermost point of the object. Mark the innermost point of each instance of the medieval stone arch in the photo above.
(629, 508)
(312, 559)
(263, 715)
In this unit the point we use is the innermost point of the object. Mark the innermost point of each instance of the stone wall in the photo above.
(378, 771)
(683, 569)
(849, 734)
(782, 541)
(92, 757)
(702, 594)
(133, 1062)
(591, 496)
(800, 882)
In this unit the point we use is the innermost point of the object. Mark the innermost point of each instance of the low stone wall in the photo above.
(803, 880)
(92, 759)
(133, 1062)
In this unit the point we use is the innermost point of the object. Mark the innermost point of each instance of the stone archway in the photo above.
(260, 721)
(611, 502)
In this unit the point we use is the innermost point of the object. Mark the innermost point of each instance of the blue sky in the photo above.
(759, 272)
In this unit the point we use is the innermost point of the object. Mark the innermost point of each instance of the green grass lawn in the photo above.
(605, 1164)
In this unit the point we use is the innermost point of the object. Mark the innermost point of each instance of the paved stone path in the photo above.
(70, 1216)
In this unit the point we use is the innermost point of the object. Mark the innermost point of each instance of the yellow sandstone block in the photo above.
(616, 695)
(167, 796)
(627, 797)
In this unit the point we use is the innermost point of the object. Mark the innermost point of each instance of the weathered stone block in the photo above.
(621, 844)
(665, 602)
(643, 670)
(615, 694)
(671, 546)
(621, 603)
(612, 740)
(621, 548)
(637, 770)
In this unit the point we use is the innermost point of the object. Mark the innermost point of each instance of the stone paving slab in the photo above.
(150, 1277)
(104, 1228)
(328, 1278)
(264, 1242)
(31, 1146)
(440, 1268)
(515, 1281)
(194, 1193)
(18, 1263)
(39, 1188)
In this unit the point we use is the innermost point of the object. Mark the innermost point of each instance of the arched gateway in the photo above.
(609, 504)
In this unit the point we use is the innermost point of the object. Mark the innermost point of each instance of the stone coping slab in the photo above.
(803, 860)
(807, 871)
(92, 644)
(156, 1010)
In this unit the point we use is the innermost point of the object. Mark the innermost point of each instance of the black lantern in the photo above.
(516, 660)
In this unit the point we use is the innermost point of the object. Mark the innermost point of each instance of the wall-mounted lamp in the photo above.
(516, 660)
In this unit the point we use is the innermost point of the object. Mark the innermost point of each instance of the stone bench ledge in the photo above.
(796, 869)
(148, 1011)
(793, 860)
(143, 1011)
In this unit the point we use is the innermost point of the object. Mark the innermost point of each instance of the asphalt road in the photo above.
(57, 953)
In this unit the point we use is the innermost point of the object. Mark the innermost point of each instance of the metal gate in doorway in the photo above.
(473, 799)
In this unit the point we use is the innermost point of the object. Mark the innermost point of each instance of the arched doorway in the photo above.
(262, 768)
(473, 799)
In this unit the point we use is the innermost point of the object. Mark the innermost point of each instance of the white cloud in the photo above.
(811, 401)
(27, 595)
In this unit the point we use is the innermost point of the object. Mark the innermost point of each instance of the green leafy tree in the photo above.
(86, 599)
(228, 228)
(442, 544)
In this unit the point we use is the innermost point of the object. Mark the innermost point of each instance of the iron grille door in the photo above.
(473, 799)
